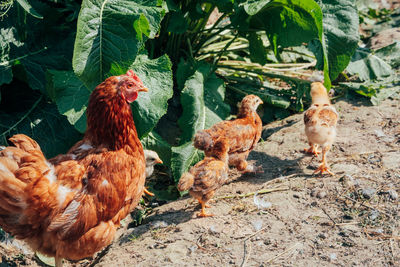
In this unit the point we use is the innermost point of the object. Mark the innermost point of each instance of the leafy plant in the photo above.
(198, 58)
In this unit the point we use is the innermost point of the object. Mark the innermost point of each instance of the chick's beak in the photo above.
(159, 161)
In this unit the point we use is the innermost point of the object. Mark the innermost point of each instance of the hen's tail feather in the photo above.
(203, 141)
(186, 181)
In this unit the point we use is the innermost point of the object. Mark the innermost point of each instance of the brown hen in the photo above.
(70, 206)
(240, 135)
(320, 124)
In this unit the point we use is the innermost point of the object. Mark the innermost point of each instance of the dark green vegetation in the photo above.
(197, 63)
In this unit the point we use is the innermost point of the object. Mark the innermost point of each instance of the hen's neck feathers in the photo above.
(109, 119)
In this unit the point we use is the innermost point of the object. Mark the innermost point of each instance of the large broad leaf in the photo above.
(43, 123)
(156, 75)
(368, 66)
(286, 23)
(340, 21)
(28, 8)
(33, 46)
(106, 34)
(202, 102)
(390, 54)
(70, 95)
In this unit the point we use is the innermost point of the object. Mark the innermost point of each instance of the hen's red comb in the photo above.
(132, 74)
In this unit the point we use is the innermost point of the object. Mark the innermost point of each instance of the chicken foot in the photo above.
(203, 210)
(323, 167)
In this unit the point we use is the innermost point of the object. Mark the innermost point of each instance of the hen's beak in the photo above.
(143, 89)
(159, 161)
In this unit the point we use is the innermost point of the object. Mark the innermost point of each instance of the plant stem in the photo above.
(23, 117)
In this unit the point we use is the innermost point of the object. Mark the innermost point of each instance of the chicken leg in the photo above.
(203, 210)
(312, 149)
(323, 167)
(147, 192)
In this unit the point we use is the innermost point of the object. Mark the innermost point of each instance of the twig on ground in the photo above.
(368, 206)
(329, 216)
(247, 252)
(264, 191)
(371, 234)
(283, 253)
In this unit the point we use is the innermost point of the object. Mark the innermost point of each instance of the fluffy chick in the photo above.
(320, 124)
(204, 178)
(240, 135)
(152, 159)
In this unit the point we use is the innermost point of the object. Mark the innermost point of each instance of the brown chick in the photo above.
(70, 206)
(152, 159)
(320, 124)
(204, 178)
(240, 135)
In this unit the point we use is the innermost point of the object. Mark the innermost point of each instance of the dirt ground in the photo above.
(297, 219)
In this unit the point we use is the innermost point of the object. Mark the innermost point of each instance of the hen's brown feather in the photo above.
(70, 206)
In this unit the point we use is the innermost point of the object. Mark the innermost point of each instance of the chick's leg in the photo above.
(312, 149)
(147, 192)
(203, 210)
(239, 161)
(323, 167)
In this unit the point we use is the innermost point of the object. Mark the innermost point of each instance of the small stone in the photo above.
(368, 192)
(333, 257)
(321, 194)
(257, 224)
(322, 236)
(373, 215)
(393, 194)
(379, 231)
(159, 224)
(296, 196)
(314, 192)
(379, 133)
(213, 230)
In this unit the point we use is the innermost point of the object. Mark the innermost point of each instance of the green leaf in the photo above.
(340, 22)
(28, 8)
(290, 23)
(390, 54)
(202, 101)
(41, 122)
(252, 7)
(182, 158)
(105, 35)
(70, 95)
(156, 75)
(177, 23)
(154, 141)
(287, 23)
(258, 53)
(368, 66)
(142, 27)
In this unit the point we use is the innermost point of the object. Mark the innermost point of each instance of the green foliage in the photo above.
(197, 67)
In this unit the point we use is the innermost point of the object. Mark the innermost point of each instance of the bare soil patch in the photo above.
(350, 219)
